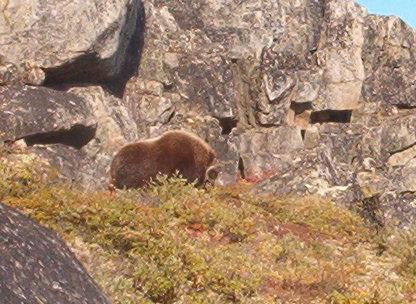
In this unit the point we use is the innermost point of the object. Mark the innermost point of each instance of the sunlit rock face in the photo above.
(305, 97)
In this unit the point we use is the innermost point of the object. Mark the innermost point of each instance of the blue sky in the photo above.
(405, 9)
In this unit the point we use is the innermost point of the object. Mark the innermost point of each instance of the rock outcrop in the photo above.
(37, 267)
(43, 116)
(58, 43)
(310, 96)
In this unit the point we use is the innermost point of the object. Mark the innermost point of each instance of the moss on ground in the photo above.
(174, 243)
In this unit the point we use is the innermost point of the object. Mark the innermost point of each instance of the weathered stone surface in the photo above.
(315, 172)
(399, 133)
(249, 61)
(195, 55)
(351, 163)
(389, 55)
(37, 267)
(263, 153)
(402, 158)
(56, 122)
(30, 112)
(339, 54)
(327, 166)
(115, 126)
(79, 41)
(149, 103)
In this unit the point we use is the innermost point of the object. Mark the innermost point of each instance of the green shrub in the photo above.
(174, 243)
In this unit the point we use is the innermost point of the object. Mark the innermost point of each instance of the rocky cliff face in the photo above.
(309, 96)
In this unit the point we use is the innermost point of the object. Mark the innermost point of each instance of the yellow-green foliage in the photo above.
(21, 173)
(174, 243)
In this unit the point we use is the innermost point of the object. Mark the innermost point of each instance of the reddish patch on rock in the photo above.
(259, 177)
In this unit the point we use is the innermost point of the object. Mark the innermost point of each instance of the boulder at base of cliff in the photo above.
(37, 267)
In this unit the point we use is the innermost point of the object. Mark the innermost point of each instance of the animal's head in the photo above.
(212, 172)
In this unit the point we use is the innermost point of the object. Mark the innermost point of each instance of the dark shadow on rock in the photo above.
(89, 69)
(134, 53)
(77, 136)
(227, 124)
(336, 116)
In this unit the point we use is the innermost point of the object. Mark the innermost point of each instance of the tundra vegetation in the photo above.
(174, 243)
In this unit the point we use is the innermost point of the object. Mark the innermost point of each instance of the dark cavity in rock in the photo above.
(300, 107)
(303, 133)
(241, 168)
(227, 125)
(337, 116)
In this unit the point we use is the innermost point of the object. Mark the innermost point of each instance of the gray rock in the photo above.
(37, 267)
(81, 41)
(353, 163)
(389, 55)
(313, 173)
(263, 153)
(41, 115)
(77, 131)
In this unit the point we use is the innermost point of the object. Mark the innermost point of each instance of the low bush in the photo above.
(174, 243)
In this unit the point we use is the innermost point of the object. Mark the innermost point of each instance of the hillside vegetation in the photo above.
(173, 243)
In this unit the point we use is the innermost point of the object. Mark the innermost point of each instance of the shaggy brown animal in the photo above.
(174, 151)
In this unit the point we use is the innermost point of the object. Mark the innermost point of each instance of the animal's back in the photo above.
(194, 155)
(136, 164)
(131, 166)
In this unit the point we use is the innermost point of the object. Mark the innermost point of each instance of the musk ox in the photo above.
(136, 164)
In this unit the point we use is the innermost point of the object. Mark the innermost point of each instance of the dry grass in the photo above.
(173, 243)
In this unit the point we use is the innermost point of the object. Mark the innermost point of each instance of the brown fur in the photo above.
(137, 163)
